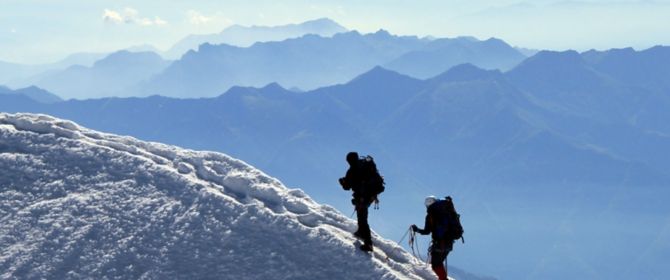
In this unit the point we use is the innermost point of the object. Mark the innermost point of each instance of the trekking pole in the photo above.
(352, 214)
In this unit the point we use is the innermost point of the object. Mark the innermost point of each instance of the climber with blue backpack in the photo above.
(444, 225)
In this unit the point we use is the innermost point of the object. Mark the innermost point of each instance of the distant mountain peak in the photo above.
(382, 32)
(497, 43)
(319, 23)
(271, 88)
(379, 73)
(567, 56)
(244, 36)
(33, 92)
(350, 33)
(323, 23)
(321, 20)
(35, 88)
(557, 61)
(466, 72)
(125, 56)
(274, 86)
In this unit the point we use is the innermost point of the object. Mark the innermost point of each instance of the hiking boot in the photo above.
(366, 248)
(358, 235)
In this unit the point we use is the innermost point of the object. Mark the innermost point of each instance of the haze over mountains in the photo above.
(562, 143)
(30, 93)
(19, 75)
(316, 61)
(313, 51)
(115, 75)
(245, 36)
(48, 75)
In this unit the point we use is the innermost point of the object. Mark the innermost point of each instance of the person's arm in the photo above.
(426, 228)
(346, 181)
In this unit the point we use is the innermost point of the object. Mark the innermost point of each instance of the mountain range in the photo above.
(319, 58)
(117, 74)
(564, 142)
(313, 61)
(245, 36)
(22, 75)
(30, 93)
(442, 54)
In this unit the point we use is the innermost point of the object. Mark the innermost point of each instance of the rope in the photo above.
(412, 244)
(405, 235)
(428, 253)
(418, 251)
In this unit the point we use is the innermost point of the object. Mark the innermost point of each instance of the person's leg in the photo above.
(441, 272)
(448, 247)
(363, 226)
(438, 255)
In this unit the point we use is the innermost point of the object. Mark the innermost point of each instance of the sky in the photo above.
(42, 31)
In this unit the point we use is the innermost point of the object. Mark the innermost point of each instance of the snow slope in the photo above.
(77, 203)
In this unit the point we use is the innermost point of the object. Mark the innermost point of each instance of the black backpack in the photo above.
(373, 181)
(447, 220)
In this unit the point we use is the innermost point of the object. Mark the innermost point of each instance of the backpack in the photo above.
(373, 181)
(447, 220)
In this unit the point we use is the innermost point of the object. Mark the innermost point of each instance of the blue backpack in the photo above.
(447, 220)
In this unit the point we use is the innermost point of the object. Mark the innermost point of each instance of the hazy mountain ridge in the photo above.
(22, 75)
(34, 93)
(314, 61)
(644, 68)
(315, 56)
(243, 36)
(317, 61)
(115, 75)
(442, 54)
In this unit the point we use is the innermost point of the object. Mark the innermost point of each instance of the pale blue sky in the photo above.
(37, 31)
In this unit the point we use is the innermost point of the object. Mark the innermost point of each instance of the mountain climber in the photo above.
(366, 183)
(439, 214)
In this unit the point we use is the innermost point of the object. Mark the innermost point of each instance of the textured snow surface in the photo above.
(76, 203)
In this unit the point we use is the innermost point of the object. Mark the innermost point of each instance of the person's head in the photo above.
(430, 200)
(352, 157)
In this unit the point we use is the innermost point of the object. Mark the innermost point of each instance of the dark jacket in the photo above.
(355, 180)
(434, 212)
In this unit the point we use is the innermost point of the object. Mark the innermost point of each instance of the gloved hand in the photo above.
(415, 228)
(343, 184)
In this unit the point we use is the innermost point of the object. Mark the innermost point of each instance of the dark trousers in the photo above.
(438, 253)
(363, 227)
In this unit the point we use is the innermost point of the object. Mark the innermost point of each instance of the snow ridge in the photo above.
(77, 203)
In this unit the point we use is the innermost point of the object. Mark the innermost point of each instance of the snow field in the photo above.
(77, 203)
